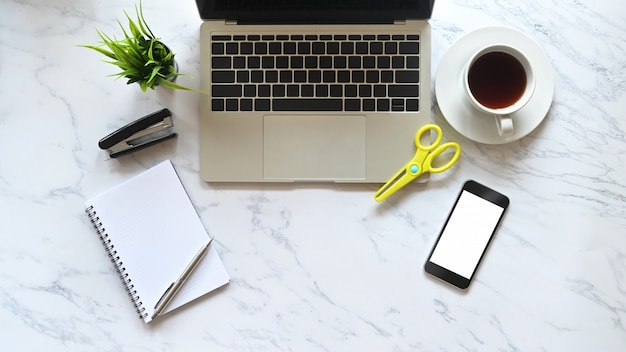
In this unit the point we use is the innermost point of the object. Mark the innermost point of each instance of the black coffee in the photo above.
(497, 80)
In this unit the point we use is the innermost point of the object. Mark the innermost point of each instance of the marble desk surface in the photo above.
(315, 267)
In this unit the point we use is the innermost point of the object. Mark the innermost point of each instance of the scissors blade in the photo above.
(401, 179)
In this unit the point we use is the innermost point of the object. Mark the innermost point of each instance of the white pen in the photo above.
(173, 289)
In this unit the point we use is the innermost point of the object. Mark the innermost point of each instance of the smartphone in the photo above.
(466, 234)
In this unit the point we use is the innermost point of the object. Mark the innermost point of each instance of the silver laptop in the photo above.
(312, 90)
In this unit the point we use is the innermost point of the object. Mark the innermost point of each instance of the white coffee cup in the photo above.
(499, 80)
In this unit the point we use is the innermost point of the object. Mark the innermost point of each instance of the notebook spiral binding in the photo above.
(117, 261)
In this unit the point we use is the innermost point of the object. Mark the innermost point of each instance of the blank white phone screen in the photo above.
(466, 235)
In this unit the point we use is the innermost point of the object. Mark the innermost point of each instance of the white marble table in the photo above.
(315, 267)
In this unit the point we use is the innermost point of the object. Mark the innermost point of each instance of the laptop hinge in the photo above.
(230, 22)
(399, 22)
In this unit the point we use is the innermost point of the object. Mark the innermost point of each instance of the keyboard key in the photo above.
(343, 76)
(350, 90)
(289, 48)
(407, 76)
(354, 37)
(354, 62)
(408, 90)
(243, 76)
(321, 90)
(271, 76)
(260, 48)
(315, 76)
(382, 105)
(218, 90)
(380, 90)
(223, 76)
(383, 62)
(384, 37)
(217, 105)
(362, 48)
(293, 90)
(282, 62)
(412, 105)
(217, 48)
(409, 48)
(245, 105)
(220, 37)
(372, 76)
(239, 62)
(386, 76)
(249, 90)
(332, 48)
(232, 105)
(232, 48)
(326, 62)
(376, 48)
(412, 62)
(254, 37)
(310, 37)
(336, 90)
(397, 104)
(307, 90)
(263, 90)
(304, 48)
(299, 76)
(267, 37)
(307, 104)
(254, 62)
(310, 62)
(275, 48)
(365, 90)
(285, 76)
(246, 48)
(369, 61)
(391, 48)
(369, 105)
(347, 48)
(297, 62)
(262, 105)
(358, 76)
(340, 62)
(278, 90)
(267, 62)
(218, 62)
(318, 48)
(397, 62)
(256, 76)
(328, 76)
(353, 105)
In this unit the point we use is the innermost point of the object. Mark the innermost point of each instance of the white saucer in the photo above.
(455, 106)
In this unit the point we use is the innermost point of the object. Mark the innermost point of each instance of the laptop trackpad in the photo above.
(314, 147)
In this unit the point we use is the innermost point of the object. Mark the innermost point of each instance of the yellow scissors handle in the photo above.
(428, 163)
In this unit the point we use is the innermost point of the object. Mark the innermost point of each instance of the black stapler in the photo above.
(148, 130)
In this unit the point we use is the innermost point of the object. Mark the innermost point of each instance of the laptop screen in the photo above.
(315, 11)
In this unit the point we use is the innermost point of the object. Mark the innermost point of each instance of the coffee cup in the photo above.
(499, 81)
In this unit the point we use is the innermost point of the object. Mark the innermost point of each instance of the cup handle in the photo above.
(505, 125)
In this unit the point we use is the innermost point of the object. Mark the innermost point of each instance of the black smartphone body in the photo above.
(466, 234)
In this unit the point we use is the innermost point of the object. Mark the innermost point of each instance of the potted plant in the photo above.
(142, 57)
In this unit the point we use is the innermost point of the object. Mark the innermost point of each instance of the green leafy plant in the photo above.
(141, 56)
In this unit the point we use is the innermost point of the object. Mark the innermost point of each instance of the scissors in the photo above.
(421, 163)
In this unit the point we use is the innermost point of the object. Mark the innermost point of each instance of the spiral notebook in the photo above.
(151, 231)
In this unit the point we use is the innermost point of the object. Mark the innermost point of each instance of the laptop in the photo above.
(312, 90)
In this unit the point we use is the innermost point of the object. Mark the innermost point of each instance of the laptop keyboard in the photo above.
(315, 73)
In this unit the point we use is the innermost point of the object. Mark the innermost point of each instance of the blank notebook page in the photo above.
(152, 230)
